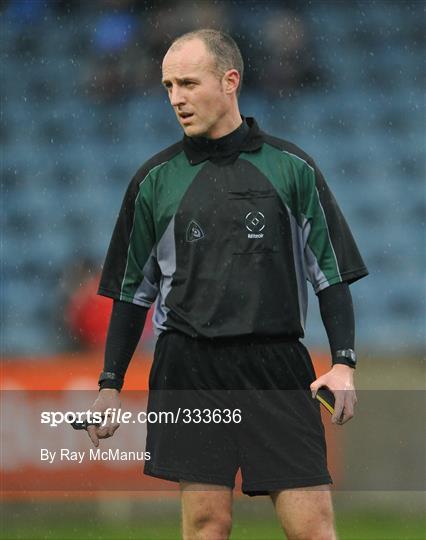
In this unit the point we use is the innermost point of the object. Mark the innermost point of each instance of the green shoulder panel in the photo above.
(167, 185)
(295, 181)
(282, 170)
(159, 196)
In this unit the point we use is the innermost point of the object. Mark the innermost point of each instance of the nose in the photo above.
(176, 96)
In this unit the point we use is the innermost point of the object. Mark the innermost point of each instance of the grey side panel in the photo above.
(314, 273)
(166, 259)
(299, 264)
(147, 291)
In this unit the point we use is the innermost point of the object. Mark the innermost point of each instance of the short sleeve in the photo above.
(130, 271)
(330, 253)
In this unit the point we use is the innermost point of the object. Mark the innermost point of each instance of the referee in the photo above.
(223, 230)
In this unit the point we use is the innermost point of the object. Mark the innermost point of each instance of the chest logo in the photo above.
(194, 232)
(255, 223)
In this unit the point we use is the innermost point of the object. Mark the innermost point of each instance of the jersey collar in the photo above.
(246, 138)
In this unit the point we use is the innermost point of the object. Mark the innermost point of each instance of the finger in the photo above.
(350, 400)
(103, 432)
(110, 430)
(107, 431)
(346, 415)
(338, 406)
(91, 430)
(114, 428)
(345, 418)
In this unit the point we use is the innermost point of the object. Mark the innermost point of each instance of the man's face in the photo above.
(195, 91)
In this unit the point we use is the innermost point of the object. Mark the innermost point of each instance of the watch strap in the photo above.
(346, 357)
(108, 379)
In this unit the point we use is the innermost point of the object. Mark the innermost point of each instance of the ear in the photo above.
(231, 80)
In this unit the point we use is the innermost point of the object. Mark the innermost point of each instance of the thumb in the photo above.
(315, 386)
(91, 430)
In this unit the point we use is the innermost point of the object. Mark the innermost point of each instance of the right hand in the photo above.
(107, 398)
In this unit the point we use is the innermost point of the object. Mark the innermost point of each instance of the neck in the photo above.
(229, 123)
(246, 136)
(222, 146)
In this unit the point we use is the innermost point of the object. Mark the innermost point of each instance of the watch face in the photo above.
(347, 354)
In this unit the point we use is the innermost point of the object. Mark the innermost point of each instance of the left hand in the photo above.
(340, 380)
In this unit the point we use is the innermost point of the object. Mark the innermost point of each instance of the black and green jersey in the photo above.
(225, 246)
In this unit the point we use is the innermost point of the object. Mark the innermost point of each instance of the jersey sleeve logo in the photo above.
(255, 223)
(194, 232)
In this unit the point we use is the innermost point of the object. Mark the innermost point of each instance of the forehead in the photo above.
(188, 58)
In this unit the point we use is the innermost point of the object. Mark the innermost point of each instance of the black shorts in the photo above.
(238, 404)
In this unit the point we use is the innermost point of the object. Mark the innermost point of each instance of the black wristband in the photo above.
(108, 379)
(346, 357)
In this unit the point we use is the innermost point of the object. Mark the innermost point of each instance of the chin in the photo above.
(193, 131)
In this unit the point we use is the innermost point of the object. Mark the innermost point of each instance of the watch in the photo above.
(108, 379)
(346, 357)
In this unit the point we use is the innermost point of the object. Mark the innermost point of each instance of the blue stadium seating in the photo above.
(67, 159)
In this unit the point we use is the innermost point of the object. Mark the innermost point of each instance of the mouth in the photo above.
(185, 117)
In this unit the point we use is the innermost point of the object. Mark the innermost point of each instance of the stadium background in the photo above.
(82, 108)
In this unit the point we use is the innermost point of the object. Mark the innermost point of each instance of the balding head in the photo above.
(204, 100)
(221, 46)
(189, 55)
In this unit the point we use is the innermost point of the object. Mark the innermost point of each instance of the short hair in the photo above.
(223, 48)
